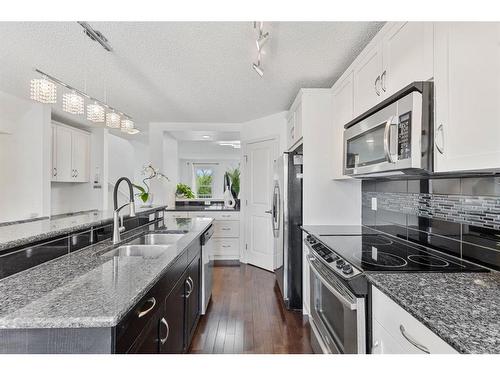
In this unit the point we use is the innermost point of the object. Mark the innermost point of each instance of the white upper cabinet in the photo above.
(367, 78)
(343, 108)
(294, 122)
(61, 151)
(70, 154)
(467, 90)
(407, 55)
(80, 156)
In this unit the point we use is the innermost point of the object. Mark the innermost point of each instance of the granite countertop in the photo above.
(83, 289)
(18, 234)
(202, 208)
(461, 308)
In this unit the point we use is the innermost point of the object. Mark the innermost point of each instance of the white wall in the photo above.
(24, 158)
(326, 201)
(266, 127)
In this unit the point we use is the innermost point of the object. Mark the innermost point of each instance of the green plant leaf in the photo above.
(140, 188)
(144, 197)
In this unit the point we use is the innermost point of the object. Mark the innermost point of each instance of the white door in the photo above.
(63, 154)
(260, 158)
(408, 55)
(343, 113)
(367, 72)
(467, 89)
(80, 157)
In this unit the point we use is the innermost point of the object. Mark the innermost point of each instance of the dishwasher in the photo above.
(207, 267)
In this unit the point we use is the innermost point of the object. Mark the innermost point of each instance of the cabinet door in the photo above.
(407, 55)
(63, 154)
(467, 89)
(171, 325)
(80, 156)
(343, 113)
(148, 340)
(384, 343)
(367, 72)
(54, 154)
(193, 296)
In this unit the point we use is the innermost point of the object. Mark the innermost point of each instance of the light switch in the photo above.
(374, 204)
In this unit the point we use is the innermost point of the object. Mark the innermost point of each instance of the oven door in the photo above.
(388, 142)
(338, 317)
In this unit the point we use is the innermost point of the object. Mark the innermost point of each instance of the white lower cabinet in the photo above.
(226, 248)
(395, 331)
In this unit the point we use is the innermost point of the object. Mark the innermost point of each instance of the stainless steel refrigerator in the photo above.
(288, 235)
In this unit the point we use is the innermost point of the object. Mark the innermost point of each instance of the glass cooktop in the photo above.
(377, 252)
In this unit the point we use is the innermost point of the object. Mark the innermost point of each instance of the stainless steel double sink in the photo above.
(151, 245)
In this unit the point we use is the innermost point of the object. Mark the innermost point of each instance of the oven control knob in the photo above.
(347, 269)
(340, 263)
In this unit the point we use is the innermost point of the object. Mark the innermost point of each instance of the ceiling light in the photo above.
(73, 103)
(261, 40)
(126, 125)
(370, 140)
(113, 120)
(205, 136)
(43, 90)
(95, 112)
(258, 69)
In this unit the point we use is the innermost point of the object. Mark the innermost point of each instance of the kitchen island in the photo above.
(91, 302)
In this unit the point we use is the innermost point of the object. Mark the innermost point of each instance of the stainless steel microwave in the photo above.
(393, 138)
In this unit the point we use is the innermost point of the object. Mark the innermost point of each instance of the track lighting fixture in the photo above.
(262, 39)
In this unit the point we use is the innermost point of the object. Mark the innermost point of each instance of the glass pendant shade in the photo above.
(128, 127)
(95, 112)
(43, 91)
(73, 103)
(113, 120)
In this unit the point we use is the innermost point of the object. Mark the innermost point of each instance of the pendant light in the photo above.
(95, 112)
(113, 120)
(43, 90)
(73, 103)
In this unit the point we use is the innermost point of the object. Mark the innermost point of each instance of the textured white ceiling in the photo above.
(200, 135)
(184, 71)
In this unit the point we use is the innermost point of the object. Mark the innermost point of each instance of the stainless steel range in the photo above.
(338, 288)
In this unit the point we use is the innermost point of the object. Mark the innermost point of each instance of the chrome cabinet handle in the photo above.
(413, 341)
(188, 282)
(142, 313)
(54, 173)
(165, 323)
(440, 130)
(377, 80)
(382, 80)
(387, 139)
(76, 172)
(226, 246)
(268, 212)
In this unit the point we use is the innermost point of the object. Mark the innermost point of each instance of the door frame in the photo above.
(243, 204)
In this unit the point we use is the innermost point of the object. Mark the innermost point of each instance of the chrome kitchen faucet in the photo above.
(117, 225)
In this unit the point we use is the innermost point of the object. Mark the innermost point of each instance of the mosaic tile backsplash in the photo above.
(460, 216)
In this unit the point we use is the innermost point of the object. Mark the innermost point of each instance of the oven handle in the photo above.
(387, 139)
(351, 306)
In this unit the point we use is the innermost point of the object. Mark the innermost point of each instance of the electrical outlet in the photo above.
(374, 204)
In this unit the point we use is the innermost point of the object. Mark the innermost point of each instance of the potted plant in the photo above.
(234, 176)
(144, 191)
(184, 191)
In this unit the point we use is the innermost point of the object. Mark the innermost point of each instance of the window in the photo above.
(204, 181)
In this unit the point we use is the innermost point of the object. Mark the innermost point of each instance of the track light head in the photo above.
(258, 69)
(261, 40)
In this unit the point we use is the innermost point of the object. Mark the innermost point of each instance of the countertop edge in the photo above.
(60, 232)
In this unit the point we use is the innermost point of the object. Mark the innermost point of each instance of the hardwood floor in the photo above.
(246, 315)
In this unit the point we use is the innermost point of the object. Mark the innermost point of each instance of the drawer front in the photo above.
(399, 323)
(230, 229)
(226, 248)
(176, 215)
